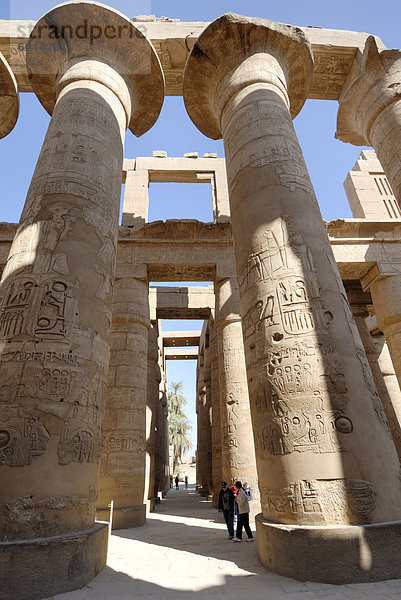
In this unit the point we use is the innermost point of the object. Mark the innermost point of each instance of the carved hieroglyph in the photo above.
(55, 295)
(123, 472)
(237, 444)
(312, 399)
(217, 474)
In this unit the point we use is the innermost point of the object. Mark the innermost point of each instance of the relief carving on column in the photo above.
(304, 406)
(321, 501)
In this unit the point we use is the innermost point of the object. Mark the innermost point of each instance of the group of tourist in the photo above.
(176, 481)
(234, 504)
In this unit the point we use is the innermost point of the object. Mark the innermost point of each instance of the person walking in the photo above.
(176, 482)
(243, 514)
(226, 505)
(186, 481)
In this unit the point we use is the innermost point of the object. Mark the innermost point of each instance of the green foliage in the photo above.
(176, 398)
(179, 426)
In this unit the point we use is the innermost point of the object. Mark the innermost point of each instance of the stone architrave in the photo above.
(56, 290)
(325, 460)
(9, 101)
(123, 470)
(217, 475)
(237, 444)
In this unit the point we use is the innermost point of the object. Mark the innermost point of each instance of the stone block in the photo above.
(43, 567)
(331, 554)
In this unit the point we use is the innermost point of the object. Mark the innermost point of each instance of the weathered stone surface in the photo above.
(9, 101)
(237, 444)
(350, 554)
(370, 109)
(51, 565)
(124, 467)
(317, 438)
(56, 288)
(334, 52)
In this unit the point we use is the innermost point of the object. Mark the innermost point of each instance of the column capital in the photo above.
(87, 40)
(376, 86)
(9, 101)
(380, 270)
(234, 52)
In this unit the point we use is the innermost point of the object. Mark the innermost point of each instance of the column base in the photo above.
(124, 518)
(43, 567)
(333, 554)
(215, 500)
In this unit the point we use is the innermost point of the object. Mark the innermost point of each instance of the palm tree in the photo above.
(178, 428)
(176, 398)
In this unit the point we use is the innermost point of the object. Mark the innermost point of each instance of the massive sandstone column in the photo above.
(370, 114)
(153, 382)
(237, 444)
(9, 101)
(123, 466)
(325, 460)
(55, 308)
(217, 475)
(201, 451)
(388, 394)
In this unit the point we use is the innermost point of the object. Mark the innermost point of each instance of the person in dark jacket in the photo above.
(226, 505)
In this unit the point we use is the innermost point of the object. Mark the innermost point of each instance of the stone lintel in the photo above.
(334, 51)
(358, 245)
(180, 354)
(181, 302)
(179, 170)
(180, 338)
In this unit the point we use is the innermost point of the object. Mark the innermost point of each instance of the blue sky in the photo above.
(328, 160)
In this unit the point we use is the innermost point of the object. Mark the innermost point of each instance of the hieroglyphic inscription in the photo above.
(37, 310)
(320, 501)
(22, 437)
(79, 444)
(26, 509)
(123, 452)
(279, 153)
(295, 355)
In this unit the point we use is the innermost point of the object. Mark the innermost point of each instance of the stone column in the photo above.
(237, 444)
(385, 289)
(207, 419)
(386, 367)
(217, 476)
(390, 404)
(201, 450)
(325, 460)
(370, 114)
(370, 109)
(123, 468)
(153, 382)
(9, 101)
(55, 309)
